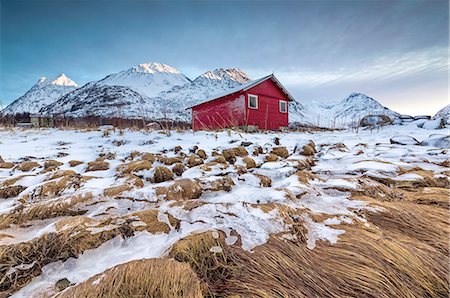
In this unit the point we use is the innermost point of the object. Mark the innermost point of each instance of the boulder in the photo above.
(397, 122)
(246, 144)
(1, 159)
(418, 122)
(434, 124)
(437, 140)
(406, 117)
(404, 140)
(426, 117)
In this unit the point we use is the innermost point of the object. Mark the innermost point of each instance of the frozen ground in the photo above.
(232, 196)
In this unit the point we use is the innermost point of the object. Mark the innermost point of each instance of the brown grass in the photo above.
(6, 165)
(11, 191)
(74, 163)
(46, 249)
(114, 191)
(135, 166)
(280, 151)
(162, 174)
(182, 189)
(97, 166)
(141, 278)
(150, 218)
(27, 166)
(44, 210)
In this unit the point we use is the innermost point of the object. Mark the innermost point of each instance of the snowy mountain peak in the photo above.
(233, 74)
(153, 67)
(63, 80)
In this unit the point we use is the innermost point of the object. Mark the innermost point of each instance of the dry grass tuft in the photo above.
(56, 186)
(249, 162)
(74, 163)
(6, 165)
(264, 180)
(162, 174)
(194, 160)
(150, 218)
(280, 151)
(214, 268)
(178, 169)
(97, 166)
(224, 183)
(11, 191)
(27, 166)
(43, 250)
(141, 278)
(169, 160)
(135, 166)
(44, 210)
(202, 153)
(149, 156)
(114, 191)
(52, 163)
(271, 157)
(182, 189)
(304, 176)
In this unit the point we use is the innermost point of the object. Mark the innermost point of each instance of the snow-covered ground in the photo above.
(244, 207)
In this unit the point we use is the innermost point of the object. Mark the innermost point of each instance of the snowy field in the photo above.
(142, 192)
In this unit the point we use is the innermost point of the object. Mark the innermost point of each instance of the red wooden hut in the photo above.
(261, 104)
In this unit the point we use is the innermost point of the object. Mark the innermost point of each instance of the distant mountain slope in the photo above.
(341, 114)
(95, 99)
(149, 79)
(444, 112)
(175, 101)
(43, 93)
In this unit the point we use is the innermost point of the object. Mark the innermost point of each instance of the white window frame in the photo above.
(256, 97)
(285, 106)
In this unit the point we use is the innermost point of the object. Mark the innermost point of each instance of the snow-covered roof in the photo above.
(247, 86)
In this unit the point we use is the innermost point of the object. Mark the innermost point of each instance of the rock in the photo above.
(375, 120)
(97, 166)
(406, 117)
(246, 144)
(162, 174)
(27, 166)
(280, 151)
(202, 153)
(426, 117)
(257, 151)
(276, 141)
(182, 189)
(1, 160)
(62, 284)
(397, 122)
(418, 123)
(264, 180)
(177, 149)
(225, 183)
(74, 163)
(249, 162)
(178, 169)
(437, 140)
(434, 124)
(404, 140)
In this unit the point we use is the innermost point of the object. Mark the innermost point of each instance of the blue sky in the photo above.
(394, 51)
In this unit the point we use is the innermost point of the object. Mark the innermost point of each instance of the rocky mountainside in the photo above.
(350, 110)
(95, 99)
(444, 112)
(148, 79)
(43, 93)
